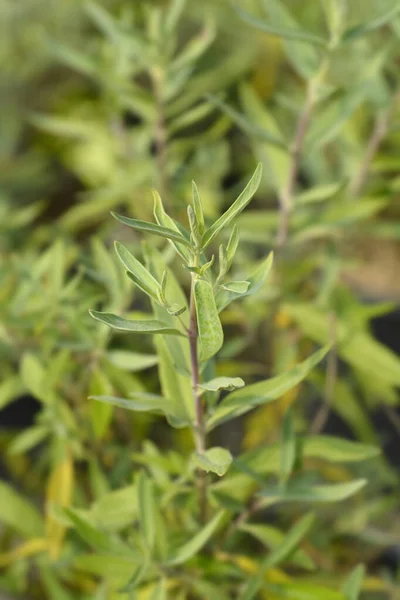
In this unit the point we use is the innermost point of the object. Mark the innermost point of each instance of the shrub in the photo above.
(237, 491)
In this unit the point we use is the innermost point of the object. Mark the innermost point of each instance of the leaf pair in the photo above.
(167, 228)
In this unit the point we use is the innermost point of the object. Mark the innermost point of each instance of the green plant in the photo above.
(310, 90)
(183, 495)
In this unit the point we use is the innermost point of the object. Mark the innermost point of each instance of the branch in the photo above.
(286, 195)
(379, 131)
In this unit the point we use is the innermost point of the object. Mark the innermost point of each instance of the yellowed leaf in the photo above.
(59, 495)
(29, 548)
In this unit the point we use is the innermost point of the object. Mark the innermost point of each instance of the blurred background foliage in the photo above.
(102, 101)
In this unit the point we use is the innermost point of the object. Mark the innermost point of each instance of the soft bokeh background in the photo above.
(100, 103)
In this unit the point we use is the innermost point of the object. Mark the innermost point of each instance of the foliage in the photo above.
(180, 447)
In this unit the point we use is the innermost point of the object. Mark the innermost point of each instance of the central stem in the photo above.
(200, 433)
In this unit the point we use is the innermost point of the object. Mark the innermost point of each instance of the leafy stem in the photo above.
(200, 431)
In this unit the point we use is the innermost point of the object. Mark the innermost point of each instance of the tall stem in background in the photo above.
(160, 131)
(287, 193)
(379, 131)
(200, 433)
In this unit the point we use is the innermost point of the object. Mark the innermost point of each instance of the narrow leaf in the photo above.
(359, 30)
(217, 460)
(224, 297)
(196, 543)
(210, 332)
(352, 586)
(167, 222)
(222, 383)
(244, 124)
(142, 402)
(147, 227)
(315, 493)
(335, 449)
(198, 209)
(288, 447)
(288, 33)
(159, 592)
(257, 394)
(140, 275)
(290, 543)
(95, 538)
(141, 326)
(233, 244)
(237, 287)
(131, 361)
(18, 513)
(271, 537)
(146, 504)
(236, 208)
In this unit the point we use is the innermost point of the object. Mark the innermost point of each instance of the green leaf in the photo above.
(210, 333)
(235, 209)
(141, 326)
(290, 542)
(138, 273)
(147, 227)
(97, 539)
(146, 504)
(33, 377)
(359, 30)
(217, 460)
(19, 514)
(314, 493)
(78, 61)
(136, 578)
(280, 554)
(241, 401)
(245, 125)
(336, 449)
(256, 281)
(107, 267)
(352, 586)
(222, 383)
(166, 221)
(288, 447)
(103, 20)
(357, 347)
(271, 537)
(198, 208)
(143, 402)
(10, 389)
(300, 590)
(196, 543)
(290, 33)
(237, 287)
(101, 414)
(173, 15)
(318, 193)
(159, 592)
(304, 57)
(233, 244)
(116, 510)
(114, 569)
(335, 14)
(28, 439)
(131, 361)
